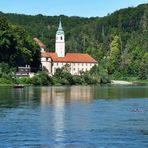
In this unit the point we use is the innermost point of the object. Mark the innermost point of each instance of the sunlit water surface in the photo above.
(107, 116)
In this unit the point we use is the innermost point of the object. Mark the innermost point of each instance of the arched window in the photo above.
(61, 38)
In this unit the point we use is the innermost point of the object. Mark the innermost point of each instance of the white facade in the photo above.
(46, 64)
(74, 68)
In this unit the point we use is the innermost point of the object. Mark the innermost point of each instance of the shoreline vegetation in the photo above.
(97, 75)
(61, 77)
(25, 81)
(113, 82)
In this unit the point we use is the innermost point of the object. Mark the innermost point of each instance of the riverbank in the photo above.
(122, 82)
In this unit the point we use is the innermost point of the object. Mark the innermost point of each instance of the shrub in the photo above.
(23, 80)
(5, 81)
(78, 80)
(55, 81)
(41, 78)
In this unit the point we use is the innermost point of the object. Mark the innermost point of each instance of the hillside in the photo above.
(118, 41)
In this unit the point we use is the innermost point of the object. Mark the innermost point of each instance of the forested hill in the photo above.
(119, 41)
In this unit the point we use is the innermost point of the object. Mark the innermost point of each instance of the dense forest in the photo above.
(118, 41)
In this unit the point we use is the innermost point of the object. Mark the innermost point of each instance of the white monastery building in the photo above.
(77, 62)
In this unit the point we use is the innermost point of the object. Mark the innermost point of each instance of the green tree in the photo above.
(115, 55)
(143, 70)
(7, 43)
(17, 48)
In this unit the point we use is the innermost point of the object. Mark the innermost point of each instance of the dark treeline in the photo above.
(17, 47)
(119, 41)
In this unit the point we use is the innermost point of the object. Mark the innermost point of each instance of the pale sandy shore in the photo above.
(120, 82)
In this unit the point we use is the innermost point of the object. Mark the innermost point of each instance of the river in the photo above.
(103, 116)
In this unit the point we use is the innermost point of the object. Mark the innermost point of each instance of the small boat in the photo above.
(137, 110)
(18, 86)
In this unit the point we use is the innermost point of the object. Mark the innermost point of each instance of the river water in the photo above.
(107, 116)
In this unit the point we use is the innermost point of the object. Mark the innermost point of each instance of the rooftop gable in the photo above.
(39, 43)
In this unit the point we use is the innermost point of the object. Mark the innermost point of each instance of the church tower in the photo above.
(60, 41)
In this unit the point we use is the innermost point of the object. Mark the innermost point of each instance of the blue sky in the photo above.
(85, 8)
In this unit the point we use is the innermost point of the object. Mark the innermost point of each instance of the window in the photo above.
(61, 38)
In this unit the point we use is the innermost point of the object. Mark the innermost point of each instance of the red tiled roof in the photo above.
(70, 57)
(39, 42)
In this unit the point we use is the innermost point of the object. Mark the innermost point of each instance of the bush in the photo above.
(78, 80)
(5, 81)
(55, 81)
(99, 74)
(62, 76)
(23, 80)
(41, 78)
(87, 78)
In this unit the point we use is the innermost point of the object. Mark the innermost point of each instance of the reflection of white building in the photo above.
(58, 96)
(81, 93)
(52, 60)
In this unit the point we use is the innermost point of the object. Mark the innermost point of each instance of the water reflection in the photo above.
(58, 117)
(120, 92)
(60, 95)
(88, 93)
(10, 97)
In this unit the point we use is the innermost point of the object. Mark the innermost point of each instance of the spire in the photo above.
(60, 26)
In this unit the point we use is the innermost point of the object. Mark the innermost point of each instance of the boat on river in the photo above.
(18, 86)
